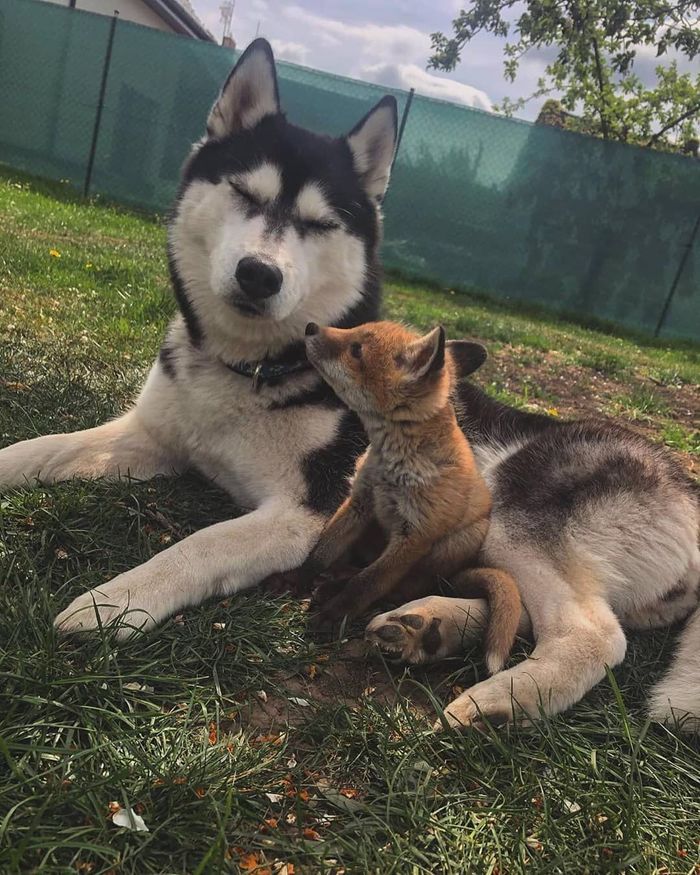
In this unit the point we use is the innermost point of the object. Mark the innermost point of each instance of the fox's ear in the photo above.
(425, 355)
(249, 94)
(468, 356)
(372, 142)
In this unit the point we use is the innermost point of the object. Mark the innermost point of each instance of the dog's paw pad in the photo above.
(405, 637)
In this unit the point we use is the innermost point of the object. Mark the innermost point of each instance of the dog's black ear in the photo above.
(372, 142)
(249, 94)
(468, 356)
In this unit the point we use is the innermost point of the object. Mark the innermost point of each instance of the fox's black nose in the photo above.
(311, 329)
(257, 279)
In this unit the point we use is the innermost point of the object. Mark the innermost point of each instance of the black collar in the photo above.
(272, 371)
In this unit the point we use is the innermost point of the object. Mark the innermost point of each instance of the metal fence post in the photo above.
(100, 104)
(676, 279)
(402, 125)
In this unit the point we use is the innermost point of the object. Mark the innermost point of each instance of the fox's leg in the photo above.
(339, 534)
(120, 448)
(378, 579)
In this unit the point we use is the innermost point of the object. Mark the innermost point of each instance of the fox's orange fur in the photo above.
(418, 478)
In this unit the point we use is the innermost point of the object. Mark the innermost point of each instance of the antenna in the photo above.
(226, 14)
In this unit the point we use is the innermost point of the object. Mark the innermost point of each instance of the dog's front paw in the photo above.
(118, 605)
(489, 702)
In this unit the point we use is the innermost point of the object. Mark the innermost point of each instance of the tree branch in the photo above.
(672, 124)
(601, 85)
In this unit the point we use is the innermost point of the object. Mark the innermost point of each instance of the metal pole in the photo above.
(676, 279)
(100, 104)
(404, 119)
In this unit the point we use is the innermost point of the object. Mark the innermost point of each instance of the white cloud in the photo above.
(408, 76)
(374, 41)
(285, 50)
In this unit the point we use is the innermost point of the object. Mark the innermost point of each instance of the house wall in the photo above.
(129, 10)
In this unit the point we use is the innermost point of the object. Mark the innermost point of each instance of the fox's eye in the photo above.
(356, 350)
(245, 194)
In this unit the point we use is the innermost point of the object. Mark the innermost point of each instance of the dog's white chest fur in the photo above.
(230, 433)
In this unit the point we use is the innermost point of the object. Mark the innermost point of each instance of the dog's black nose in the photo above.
(257, 279)
(311, 329)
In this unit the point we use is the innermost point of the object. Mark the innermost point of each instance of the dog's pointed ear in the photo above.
(468, 356)
(425, 355)
(249, 94)
(372, 142)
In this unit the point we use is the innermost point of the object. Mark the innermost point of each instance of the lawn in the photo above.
(244, 744)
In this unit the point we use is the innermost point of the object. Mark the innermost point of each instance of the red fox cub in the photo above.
(417, 478)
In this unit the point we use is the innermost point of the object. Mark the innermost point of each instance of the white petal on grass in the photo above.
(128, 818)
(275, 797)
(302, 703)
(571, 807)
(137, 687)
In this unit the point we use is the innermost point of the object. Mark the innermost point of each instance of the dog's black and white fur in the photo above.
(275, 227)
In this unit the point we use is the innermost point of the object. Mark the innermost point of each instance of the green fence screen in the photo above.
(524, 212)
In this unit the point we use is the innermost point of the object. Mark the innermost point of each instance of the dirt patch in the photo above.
(347, 676)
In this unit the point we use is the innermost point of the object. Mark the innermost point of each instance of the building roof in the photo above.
(181, 17)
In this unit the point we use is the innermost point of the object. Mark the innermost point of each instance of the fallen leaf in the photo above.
(113, 807)
(312, 670)
(139, 688)
(571, 807)
(213, 734)
(129, 819)
(218, 627)
(261, 695)
(349, 792)
(248, 862)
(54, 253)
(292, 762)
(268, 739)
(311, 834)
(60, 553)
(275, 797)
(200, 792)
(302, 703)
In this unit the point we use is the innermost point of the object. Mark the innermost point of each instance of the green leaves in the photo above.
(598, 42)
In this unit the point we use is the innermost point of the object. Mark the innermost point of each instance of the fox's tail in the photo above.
(505, 609)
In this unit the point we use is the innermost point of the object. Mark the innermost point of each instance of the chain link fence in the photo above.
(525, 212)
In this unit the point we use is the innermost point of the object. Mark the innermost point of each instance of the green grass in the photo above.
(175, 723)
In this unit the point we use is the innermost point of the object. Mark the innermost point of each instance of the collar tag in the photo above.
(256, 378)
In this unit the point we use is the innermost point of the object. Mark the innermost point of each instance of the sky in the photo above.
(388, 43)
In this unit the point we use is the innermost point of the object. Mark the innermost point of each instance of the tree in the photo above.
(597, 43)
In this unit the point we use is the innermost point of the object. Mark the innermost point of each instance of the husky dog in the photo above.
(275, 227)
